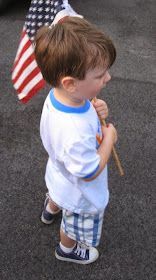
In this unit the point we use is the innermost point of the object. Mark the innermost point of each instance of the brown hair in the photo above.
(71, 48)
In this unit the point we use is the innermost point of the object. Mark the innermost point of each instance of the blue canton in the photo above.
(41, 13)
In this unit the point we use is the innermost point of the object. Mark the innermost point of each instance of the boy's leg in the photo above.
(52, 206)
(72, 251)
(66, 241)
(50, 211)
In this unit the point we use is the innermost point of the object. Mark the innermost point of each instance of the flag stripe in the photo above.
(33, 91)
(25, 71)
(32, 75)
(24, 66)
(24, 57)
(23, 41)
(21, 53)
(29, 86)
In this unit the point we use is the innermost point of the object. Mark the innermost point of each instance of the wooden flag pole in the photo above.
(114, 153)
(115, 156)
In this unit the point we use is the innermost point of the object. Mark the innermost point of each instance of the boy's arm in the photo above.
(104, 151)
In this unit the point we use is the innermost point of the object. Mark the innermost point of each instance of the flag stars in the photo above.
(34, 9)
(40, 9)
(47, 16)
(40, 13)
(40, 17)
(47, 9)
(39, 24)
(56, 3)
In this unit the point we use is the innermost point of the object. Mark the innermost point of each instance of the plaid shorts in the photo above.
(84, 228)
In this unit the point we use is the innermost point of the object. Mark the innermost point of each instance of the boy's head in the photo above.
(72, 48)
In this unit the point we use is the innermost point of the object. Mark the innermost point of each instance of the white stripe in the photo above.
(24, 57)
(30, 85)
(25, 73)
(21, 45)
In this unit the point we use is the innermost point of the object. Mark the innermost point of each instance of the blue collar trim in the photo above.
(67, 109)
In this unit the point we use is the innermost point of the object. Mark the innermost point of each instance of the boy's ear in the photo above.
(69, 83)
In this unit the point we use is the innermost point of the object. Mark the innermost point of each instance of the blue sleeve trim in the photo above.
(91, 174)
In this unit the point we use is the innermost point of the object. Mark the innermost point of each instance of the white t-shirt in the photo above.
(71, 137)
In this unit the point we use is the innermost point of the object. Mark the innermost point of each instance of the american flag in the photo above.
(26, 76)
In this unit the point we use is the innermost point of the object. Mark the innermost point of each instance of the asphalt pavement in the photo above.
(127, 249)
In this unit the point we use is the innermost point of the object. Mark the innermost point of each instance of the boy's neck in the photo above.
(67, 98)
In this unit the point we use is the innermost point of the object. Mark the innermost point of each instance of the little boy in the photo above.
(74, 58)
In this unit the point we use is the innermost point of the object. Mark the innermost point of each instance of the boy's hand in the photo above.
(101, 108)
(110, 132)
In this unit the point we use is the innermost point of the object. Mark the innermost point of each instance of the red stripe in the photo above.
(28, 79)
(21, 38)
(33, 91)
(25, 47)
(24, 66)
(38, 86)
